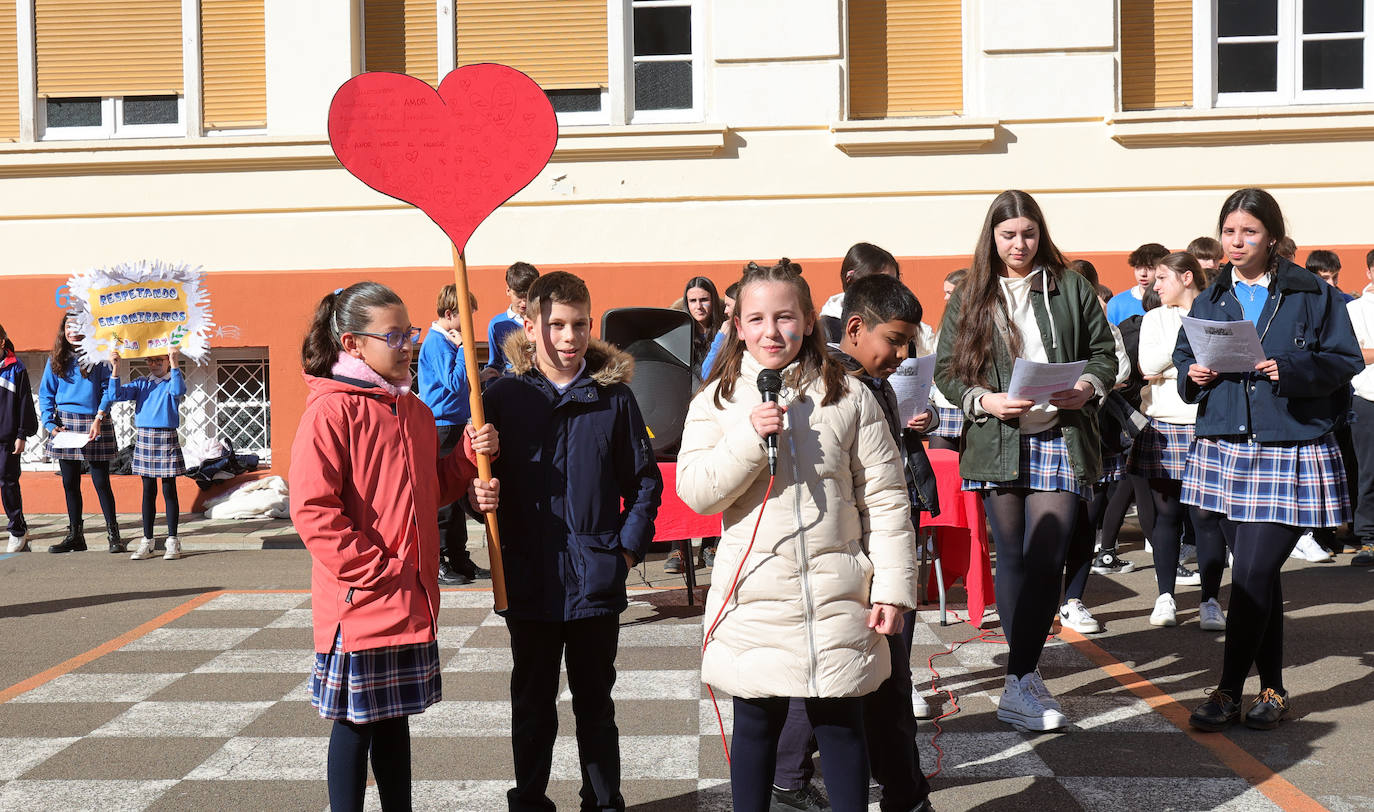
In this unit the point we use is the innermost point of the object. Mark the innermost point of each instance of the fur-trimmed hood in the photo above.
(606, 365)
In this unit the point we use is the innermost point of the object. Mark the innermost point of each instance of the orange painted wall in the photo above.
(272, 309)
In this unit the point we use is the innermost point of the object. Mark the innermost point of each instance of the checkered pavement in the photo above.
(212, 710)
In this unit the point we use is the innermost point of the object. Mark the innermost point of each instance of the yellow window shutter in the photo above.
(233, 60)
(906, 58)
(9, 75)
(561, 44)
(1156, 54)
(108, 47)
(402, 36)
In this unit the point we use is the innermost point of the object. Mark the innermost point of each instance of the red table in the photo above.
(680, 524)
(962, 535)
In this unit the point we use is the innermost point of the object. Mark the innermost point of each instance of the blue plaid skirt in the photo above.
(1294, 484)
(951, 422)
(1113, 466)
(1045, 466)
(379, 683)
(101, 449)
(1161, 450)
(157, 452)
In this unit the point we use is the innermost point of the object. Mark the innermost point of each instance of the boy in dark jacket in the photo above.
(574, 445)
(18, 422)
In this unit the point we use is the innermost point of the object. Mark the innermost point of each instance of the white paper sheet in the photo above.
(1224, 346)
(1034, 380)
(912, 382)
(70, 439)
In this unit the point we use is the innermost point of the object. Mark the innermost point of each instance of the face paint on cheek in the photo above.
(791, 336)
(1252, 243)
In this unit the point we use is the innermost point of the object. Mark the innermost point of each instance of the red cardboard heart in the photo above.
(456, 154)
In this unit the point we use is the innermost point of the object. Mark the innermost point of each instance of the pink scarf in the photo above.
(356, 368)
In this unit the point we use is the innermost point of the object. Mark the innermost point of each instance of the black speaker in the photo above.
(660, 341)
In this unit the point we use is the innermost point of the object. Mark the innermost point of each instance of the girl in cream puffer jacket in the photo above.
(834, 555)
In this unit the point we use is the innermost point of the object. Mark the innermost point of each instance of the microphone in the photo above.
(770, 384)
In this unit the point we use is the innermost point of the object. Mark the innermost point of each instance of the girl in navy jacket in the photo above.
(1264, 461)
(76, 399)
(18, 421)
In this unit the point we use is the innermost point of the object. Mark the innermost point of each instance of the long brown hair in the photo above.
(64, 352)
(814, 360)
(1181, 262)
(5, 344)
(1263, 207)
(983, 308)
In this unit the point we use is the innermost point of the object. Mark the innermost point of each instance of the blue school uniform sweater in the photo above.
(73, 392)
(158, 401)
(501, 326)
(444, 379)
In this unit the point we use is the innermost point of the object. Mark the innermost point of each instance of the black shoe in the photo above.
(708, 556)
(923, 806)
(1109, 563)
(117, 545)
(1267, 710)
(1217, 713)
(673, 566)
(73, 542)
(808, 798)
(1364, 558)
(470, 569)
(448, 576)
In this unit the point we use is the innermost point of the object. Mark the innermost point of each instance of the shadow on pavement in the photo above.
(47, 607)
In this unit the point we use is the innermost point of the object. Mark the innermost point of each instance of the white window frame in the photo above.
(697, 60)
(111, 124)
(1289, 67)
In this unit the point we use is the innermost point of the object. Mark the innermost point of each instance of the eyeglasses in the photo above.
(395, 340)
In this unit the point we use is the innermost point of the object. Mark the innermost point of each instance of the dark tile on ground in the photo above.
(230, 687)
(20, 719)
(123, 757)
(244, 796)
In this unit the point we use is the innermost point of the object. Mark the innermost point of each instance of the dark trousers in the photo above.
(1254, 621)
(839, 728)
(388, 742)
(9, 489)
(1345, 440)
(453, 531)
(169, 499)
(1362, 441)
(1078, 559)
(589, 646)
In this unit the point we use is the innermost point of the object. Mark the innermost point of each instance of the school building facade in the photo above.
(695, 135)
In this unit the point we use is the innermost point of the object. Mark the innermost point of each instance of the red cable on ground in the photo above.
(725, 603)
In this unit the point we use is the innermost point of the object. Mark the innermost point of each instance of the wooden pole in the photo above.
(460, 280)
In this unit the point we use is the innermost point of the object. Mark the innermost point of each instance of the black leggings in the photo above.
(1254, 624)
(1120, 494)
(1078, 561)
(71, 487)
(388, 740)
(1031, 531)
(1211, 550)
(839, 726)
(169, 498)
(1167, 534)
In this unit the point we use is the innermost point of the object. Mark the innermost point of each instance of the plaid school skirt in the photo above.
(1113, 467)
(157, 453)
(1045, 466)
(1161, 450)
(951, 422)
(379, 683)
(1293, 484)
(101, 449)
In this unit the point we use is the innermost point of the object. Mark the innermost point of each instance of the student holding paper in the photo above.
(1264, 460)
(1031, 462)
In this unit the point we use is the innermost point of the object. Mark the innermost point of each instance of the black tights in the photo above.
(71, 486)
(1254, 624)
(388, 740)
(1168, 531)
(1031, 532)
(1119, 497)
(169, 498)
(1211, 550)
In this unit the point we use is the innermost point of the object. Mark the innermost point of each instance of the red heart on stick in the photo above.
(456, 154)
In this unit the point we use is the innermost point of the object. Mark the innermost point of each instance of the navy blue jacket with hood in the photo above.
(1306, 328)
(567, 461)
(18, 417)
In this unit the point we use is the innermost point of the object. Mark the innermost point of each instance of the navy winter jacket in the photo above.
(1306, 328)
(567, 461)
(18, 418)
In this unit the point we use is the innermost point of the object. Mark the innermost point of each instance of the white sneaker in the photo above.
(1075, 615)
(1036, 685)
(1149, 548)
(1210, 616)
(145, 550)
(1020, 707)
(920, 708)
(1309, 550)
(1187, 554)
(173, 549)
(18, 544)
(1166, 611)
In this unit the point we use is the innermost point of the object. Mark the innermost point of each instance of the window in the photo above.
(1292, 51)
(112, 117)
(905, 58)
(664, 70)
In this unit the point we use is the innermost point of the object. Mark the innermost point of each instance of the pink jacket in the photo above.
(366, 485)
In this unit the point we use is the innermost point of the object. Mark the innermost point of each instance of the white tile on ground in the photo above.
(661, 634)
(462, 719)
(451, 796)
(990, 755)
(99, 688)
(301, 693)
(183, 719)
(297, 758)
(923, 635)
(293, 619)
(961, 681)
(641, 757)
(706, 716)
(22, 755)
(1115, 713)
(651, 685)
(1114, 793)
(494, 619)
(260, 661)
(107, 796)
(713, 795)
(465, 599)
(454, 636)
(482, 659)
(184, 639)
(257, 600)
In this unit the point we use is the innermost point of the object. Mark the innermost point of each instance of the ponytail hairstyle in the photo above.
(5, 344)
(813, 360)
(64, 354)
(865, 259)
(348, 310)
(1181, 262)
(1262, 206)
(984, 308)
